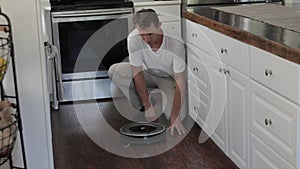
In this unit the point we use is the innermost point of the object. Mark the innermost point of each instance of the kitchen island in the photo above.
(279, 41)
(244, 75)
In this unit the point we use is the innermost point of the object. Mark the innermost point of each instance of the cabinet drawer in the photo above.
(196, 35)
(193, 103)
(231, 51)
(274, 120)
(263, 157)
(166, 13)
(197, 71)
(276, 73)
(198, 104)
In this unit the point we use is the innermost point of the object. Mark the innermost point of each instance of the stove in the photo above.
(69, 5)
(90, 36)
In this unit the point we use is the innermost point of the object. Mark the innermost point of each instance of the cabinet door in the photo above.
(274, 119)
(204, 73)
(238, 110)
(263, 157)
(220, 133)
(216, 121)
(198, 85)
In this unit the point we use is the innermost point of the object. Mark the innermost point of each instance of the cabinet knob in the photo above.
(268, 122)
(268, 72)
(194, 35)
(223, 51)
(226, 71)
(195, 108)
(195, 69)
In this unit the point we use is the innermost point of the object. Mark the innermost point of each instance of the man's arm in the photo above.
(141, 87)
(175, 121)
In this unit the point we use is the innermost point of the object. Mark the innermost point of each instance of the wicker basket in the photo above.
(5, 48)
(8, 130)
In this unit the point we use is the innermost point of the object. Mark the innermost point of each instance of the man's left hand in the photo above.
(178, 125)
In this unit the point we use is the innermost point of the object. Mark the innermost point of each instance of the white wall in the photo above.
(30, 65)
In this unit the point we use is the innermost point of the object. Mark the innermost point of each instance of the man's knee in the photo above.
(112, 70)
(120, 72)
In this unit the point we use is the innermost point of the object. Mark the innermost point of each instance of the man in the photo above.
(155, 60)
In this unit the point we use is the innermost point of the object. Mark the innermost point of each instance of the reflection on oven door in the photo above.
(88, 44)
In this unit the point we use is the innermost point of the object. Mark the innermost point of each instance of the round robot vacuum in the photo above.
(142, 129)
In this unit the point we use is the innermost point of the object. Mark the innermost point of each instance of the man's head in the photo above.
(147, 23)
(145, 17)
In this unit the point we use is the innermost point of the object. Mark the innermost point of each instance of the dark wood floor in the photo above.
(73, 149)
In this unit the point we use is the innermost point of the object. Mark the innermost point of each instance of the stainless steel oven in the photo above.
(89, 41)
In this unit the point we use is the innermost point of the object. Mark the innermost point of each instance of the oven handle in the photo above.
(52, 56)
(57, 78)
(71, 16)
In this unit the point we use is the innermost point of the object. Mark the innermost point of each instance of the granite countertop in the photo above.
(279, 41)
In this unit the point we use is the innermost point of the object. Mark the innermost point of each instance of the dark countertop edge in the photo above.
(274, 47)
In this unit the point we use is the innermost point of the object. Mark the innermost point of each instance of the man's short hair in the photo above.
(145, 17)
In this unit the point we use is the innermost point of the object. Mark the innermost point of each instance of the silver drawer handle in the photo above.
(195, 108)
(194, 35)
(195, 69)
(268, 72)
(225, 71)
(268, 122)
(223, 51)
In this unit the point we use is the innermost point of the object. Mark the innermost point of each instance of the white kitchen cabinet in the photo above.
(169, 13)
(238, 113)
(263, 100)
(232, 133)
(235, 55)
(210, 85)
(206, 95)
(274, 111)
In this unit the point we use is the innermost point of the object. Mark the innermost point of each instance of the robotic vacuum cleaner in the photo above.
(142, 129)
(142, 133)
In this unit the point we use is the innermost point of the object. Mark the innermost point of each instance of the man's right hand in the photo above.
(150, 114)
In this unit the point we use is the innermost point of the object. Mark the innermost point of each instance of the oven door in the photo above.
(89, 42)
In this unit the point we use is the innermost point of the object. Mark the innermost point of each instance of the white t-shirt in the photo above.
(166, 61)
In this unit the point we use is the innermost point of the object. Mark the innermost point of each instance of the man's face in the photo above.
(151, 34)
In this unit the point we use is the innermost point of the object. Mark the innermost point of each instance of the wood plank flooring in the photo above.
(73, 149)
